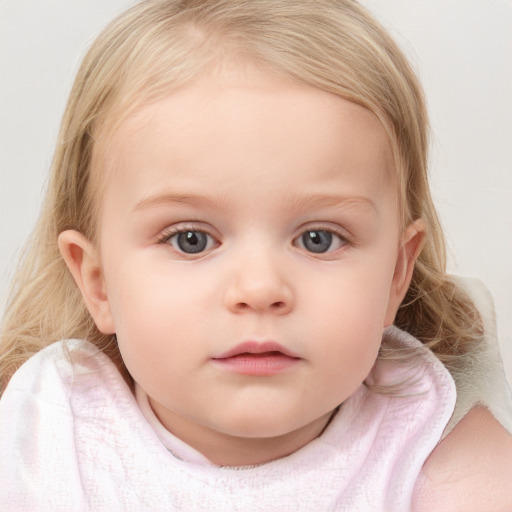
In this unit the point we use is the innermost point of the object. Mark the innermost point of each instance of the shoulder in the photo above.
(471, 469)
(51, 379)
(37, 435)
(53, 363)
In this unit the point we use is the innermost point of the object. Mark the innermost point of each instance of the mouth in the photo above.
(257, 359)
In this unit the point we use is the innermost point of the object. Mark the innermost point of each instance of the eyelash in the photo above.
(343, 239)
(166, 237)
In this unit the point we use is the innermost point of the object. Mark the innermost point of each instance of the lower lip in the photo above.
(269, 363)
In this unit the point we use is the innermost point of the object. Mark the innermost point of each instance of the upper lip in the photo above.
(256, 347)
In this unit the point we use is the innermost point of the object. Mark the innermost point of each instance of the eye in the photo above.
(320, 241)
(191, 241)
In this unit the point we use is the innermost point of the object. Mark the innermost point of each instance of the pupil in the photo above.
(192, 241)
(317, 241)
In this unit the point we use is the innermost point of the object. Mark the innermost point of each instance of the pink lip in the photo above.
(256, 347)
(259, 359)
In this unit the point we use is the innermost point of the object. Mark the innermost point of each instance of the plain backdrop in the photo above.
(461, 50)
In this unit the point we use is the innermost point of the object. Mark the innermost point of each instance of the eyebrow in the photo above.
(169, 198)
(295, 201)
(315, 201)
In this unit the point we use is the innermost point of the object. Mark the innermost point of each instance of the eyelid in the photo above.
(166, 234)
(335, 230)
(319, 226)
(176, 229)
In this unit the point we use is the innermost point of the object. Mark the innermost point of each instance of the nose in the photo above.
(258, 284)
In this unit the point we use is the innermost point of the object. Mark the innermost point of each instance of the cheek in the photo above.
(150, 290)
(350, 320)
(352, 346)
(154, 314)
(356, 299)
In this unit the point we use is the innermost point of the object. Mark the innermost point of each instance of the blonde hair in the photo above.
(159, 45)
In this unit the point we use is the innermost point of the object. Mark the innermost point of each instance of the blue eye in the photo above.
(191, 242)
(320, 240)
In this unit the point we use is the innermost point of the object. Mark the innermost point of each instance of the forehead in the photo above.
(241, 127)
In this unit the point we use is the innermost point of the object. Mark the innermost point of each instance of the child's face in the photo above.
(244, 208)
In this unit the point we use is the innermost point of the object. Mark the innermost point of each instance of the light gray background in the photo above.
(461, 49)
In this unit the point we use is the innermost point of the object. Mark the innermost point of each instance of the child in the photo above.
(239, 250)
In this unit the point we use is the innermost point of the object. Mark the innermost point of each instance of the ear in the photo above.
(82, 260)
(411, 244)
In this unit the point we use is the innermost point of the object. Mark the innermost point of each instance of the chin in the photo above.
(268, 426)
(256, 425)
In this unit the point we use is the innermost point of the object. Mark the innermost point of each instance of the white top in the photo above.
(73, 438)
(176, 446)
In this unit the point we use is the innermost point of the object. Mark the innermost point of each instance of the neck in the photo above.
(226, 450)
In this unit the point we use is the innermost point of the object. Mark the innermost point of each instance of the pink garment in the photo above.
(72, 437)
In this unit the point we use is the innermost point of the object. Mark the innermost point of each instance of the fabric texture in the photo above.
(72, 438)
(479, 375)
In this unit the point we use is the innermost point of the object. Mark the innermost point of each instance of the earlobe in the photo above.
(410, 248)
(82, 260)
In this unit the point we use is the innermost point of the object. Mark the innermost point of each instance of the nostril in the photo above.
(276, 306)
(259, 297)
